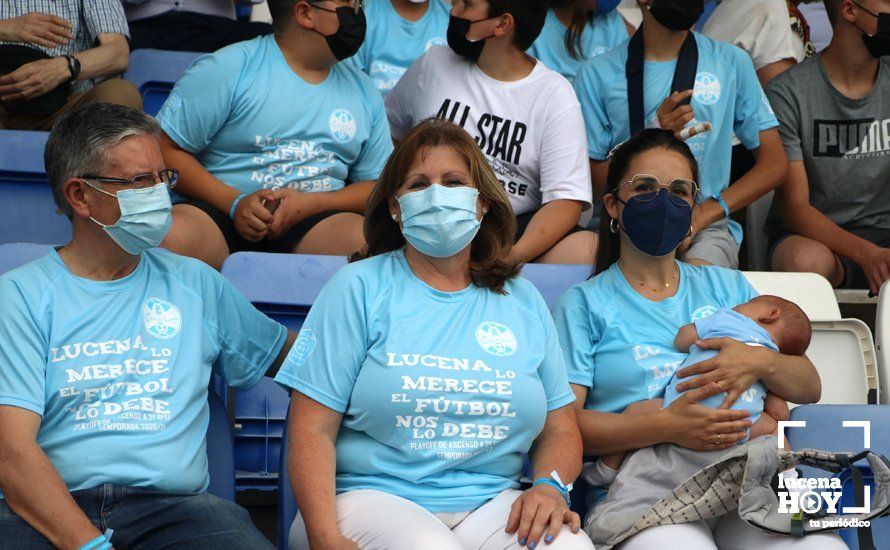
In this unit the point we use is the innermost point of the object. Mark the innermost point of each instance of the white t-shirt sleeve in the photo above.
(760, 27)
(400, 102)
(565, 166)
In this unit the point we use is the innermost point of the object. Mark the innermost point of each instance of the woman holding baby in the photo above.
(618, 333)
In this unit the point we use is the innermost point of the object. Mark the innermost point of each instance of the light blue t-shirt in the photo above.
(606, 32)
(254, 124)
(726, 323)
(119, 370)
(441, 392)
(621, 345)
(727, 94)
(393, 43)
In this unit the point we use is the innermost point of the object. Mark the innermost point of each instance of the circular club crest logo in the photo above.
(162, 319)
(598, 51)
(303, 347)
(342, 125)
(496, 338)
(707, 88)
(703, 313)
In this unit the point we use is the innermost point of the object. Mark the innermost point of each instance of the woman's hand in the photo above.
(701, 428)
(540, 510)
(252, 218)
(293, 207)
(735, 369)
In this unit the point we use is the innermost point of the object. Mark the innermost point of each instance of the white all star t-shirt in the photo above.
(531, 130)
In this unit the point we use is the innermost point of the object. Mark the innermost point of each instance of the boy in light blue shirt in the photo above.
(724, 91)
(399, 32)
(277, 142)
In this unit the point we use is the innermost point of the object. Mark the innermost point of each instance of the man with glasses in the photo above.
(832, 214)
(277, 143)
(106, 351)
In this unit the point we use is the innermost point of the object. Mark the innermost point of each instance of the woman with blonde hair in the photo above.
(425, 371)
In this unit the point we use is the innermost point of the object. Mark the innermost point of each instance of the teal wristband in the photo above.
(719, 198)
(564, 491)
(235, 205)
(98, 543)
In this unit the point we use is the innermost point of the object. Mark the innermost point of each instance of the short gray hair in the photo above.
(80, 140)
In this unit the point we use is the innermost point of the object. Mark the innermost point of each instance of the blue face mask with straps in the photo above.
(145, 218)
(656, 223)
(440, 221)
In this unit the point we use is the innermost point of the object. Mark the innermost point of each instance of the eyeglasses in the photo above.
(168, 177)
(647, 187)
(356, 5)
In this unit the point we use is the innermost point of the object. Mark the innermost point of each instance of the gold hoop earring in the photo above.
(613, 226)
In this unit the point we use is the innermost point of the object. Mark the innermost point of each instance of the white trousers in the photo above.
(380, 521)
(729, 533)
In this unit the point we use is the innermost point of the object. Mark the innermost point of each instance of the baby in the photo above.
(767, 321)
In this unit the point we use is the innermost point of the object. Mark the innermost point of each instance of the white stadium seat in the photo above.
(842, 350)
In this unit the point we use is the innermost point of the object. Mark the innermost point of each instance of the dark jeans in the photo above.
(191, 32)
(148, 519)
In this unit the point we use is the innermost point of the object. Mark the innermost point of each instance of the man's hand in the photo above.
(34, 79)
(875, 262)
(42, 29)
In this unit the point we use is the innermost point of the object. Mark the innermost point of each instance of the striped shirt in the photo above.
(89, 17)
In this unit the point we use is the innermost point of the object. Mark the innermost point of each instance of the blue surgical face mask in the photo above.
(145, 218)
(440, 221)
(656, 223)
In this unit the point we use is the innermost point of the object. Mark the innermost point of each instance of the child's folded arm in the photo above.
(686, 336)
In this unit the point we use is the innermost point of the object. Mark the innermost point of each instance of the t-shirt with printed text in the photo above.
(531, 130)
(119, 370)
(254, 123)
(441, 392)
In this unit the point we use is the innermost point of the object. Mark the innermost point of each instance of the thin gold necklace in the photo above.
(642, 284)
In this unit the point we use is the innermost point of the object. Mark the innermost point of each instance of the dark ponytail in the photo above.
(609, 249)
(581, 17)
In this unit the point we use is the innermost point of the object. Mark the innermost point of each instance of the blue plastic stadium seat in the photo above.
(283, 286)
(155, 72)
(220, 455)
(552, 281)
(825, 431)
(27, 211)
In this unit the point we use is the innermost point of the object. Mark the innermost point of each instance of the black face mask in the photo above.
(677, 15)
(458, 41)
(878, 44)
(349, 37)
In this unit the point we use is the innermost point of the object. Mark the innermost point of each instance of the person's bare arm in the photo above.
(312, 463)
(775, 409)
(686, 336)
(252, 218)
(802, 218)
(32, 486)
(772, 70)
(767, 174)
(547, 227)
(37, 78)
(683, 422)
(599, 171)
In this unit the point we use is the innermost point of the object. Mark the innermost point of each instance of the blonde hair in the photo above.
(488, 265)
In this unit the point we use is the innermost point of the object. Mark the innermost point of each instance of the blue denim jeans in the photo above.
(148, 519)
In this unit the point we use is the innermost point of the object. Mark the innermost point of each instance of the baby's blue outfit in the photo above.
(726, 323)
